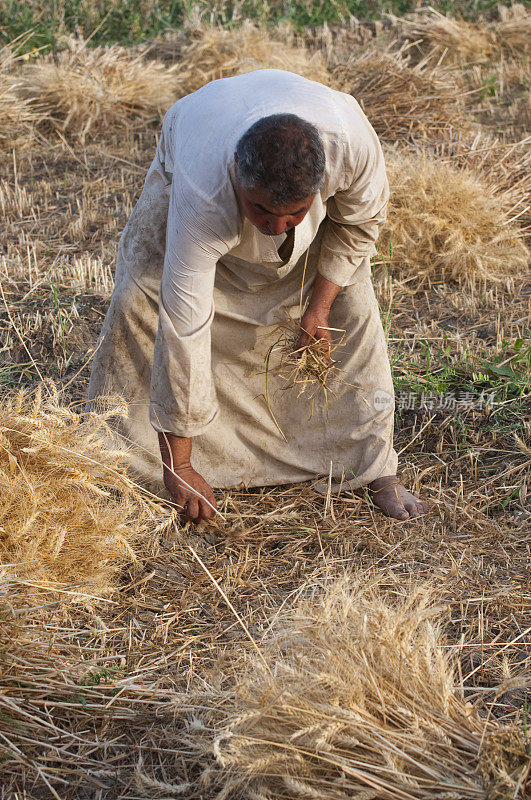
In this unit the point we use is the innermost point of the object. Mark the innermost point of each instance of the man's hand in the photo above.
(187, 487)
(314, 325)
(195, 508)
(314, 322)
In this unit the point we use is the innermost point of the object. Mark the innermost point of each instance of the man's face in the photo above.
(269, 219)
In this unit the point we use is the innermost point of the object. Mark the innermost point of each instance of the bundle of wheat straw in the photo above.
(401, 100)
(513, 31)
(431, 34)
(352, 695)
(85, 90)
(69, 515)
(445, 223)
(500, 96)
(504, 166)
(217, 53)
(17, 117)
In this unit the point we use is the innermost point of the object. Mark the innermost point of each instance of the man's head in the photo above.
(280, 168)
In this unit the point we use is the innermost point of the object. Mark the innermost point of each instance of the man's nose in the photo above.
(277, 225)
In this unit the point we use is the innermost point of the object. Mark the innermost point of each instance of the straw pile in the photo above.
(216, 53)
(401, 100)
(446, 224)
(440, 38)
(86, 90)
(351, 696)
(69, 513)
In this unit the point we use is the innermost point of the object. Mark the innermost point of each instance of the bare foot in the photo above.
(394, 499)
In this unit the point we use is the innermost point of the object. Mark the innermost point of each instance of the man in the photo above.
(265, 188)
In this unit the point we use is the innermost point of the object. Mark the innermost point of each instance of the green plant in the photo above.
(104, 675)
(62, 323)
(42, 24)
(435, 369)
(489, 88)
(386, 316)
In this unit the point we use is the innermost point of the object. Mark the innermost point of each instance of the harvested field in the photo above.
(302, 645)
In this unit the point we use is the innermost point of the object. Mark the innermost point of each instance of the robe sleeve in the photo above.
(183, 396)
(354, 215)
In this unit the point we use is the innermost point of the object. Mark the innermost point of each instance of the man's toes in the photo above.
(422, 508)
(416, 508)
(398, 511)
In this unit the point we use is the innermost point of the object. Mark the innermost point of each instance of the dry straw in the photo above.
(445, 39)
(216, 53)
(446, 223)
(504, 166)
(17, 117)
(67, 700)
(354, 697)
(513, 31)
(309, 370)
(70, 516)
(85, 90)
(500, 97)
(401, 100)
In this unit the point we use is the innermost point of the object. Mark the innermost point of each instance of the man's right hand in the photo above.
(187, 487)
(194, 508)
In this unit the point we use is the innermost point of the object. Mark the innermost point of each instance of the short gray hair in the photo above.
(284, 155)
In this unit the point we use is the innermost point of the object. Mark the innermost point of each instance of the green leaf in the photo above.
(505, 371)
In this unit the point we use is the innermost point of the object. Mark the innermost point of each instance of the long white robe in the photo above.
(199, 293)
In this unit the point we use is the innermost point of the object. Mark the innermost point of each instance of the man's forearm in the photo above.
(323, 295)
(314, 322)
(176, 451)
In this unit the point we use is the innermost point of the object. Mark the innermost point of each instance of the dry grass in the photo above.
(83, 90)
(500, 97)
(309, 369)
(69, 516)
(490, 63)
(402, 100)
(91, 697)
(446, 224)
(66, 698)
(352, 695)
(216, 53)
